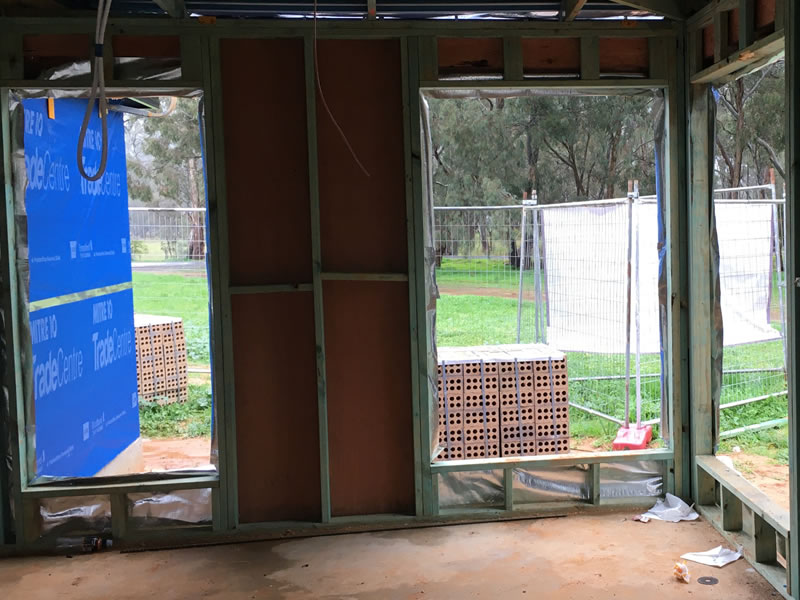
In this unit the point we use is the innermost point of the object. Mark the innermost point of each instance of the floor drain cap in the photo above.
(707, 580)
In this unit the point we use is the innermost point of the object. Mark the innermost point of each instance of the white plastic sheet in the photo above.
(671, 509)
(716, 557)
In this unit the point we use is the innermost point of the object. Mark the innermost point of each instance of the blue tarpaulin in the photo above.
(81, 299)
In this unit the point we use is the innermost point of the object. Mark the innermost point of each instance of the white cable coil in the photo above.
(98, 89)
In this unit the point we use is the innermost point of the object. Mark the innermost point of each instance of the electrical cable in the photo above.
(325, 103)
(98, 89)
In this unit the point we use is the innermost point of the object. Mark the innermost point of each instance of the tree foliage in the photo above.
(165, 168)
(750, 129)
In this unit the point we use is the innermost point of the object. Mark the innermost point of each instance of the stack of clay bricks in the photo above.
(161, 359)
(502, 401)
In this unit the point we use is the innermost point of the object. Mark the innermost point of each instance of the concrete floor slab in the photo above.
(582, 557)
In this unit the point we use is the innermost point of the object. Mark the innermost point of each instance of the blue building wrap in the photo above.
(78, 230)
(80, 293)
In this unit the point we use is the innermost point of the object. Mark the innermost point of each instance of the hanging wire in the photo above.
(98, 89)
(325, 103)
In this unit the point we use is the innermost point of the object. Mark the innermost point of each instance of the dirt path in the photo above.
(477, 290)
(175, 453)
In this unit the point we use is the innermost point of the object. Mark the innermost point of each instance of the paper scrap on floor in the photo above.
(716, 557)
(671, 509)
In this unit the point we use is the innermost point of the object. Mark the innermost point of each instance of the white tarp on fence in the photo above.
(585, 251)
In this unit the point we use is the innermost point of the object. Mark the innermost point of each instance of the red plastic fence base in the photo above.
(633, 438)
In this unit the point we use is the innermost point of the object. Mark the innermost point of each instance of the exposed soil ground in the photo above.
(581, 557)
(175, 453)
(478, 290)
(767, 475)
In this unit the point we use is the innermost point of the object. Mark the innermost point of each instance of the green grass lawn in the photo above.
(177, 296)
(469, 272)
(178, 419)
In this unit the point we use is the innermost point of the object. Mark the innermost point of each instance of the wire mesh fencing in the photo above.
(751, 233)
(168, 249)
(558, 274)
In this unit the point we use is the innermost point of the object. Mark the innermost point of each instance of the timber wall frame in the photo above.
(667, 66)
(725, 40)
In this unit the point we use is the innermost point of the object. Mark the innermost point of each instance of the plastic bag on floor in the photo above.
(716, 557)
(671, 509)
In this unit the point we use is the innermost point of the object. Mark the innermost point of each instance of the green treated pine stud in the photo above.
(731, 511)
(414, 307)
(222, 318)
(764, 541)
(508, 488)
(316, 275)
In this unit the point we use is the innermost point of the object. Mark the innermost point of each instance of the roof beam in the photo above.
(672, 9)
(174, 8)
(571, 8)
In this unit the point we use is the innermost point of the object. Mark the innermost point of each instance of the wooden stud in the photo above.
(119, 516)
(272, 288)
(780, 14)
(706, 489)
(594, 483)
(30, 514)
(409, 65)
(747, 23)
(10, 305)
(316, 275)
(512, 58)
(677, 344)
(191, 57)
(720, 36)
(550, 461)
(792, 215)
(659, 57)
(508, 488)
(428, 58)
(221, 322)
(364, 276)
(700, 292)
(11, 61)
(731, 511)
(590, 58)
(764, 540)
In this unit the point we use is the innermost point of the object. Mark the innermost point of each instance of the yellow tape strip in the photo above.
(75, 296)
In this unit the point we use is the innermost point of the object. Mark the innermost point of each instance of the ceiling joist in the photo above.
(571, 8)
(174, 8)
(672, 9)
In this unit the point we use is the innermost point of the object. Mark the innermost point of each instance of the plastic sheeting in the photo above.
(146, 510)
(636, 479)
(75, 514)
(431, 289)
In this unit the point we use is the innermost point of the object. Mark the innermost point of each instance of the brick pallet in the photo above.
(509, 400)
(161, 359)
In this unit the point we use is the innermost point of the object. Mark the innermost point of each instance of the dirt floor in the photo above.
(767, 475)
(478, 290)
(175, 453)
(583, 557)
